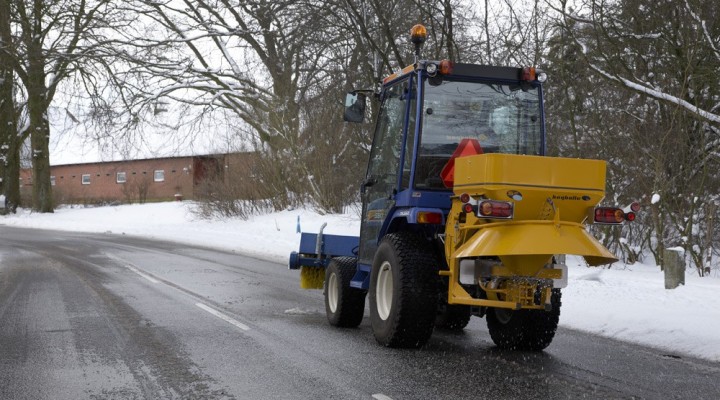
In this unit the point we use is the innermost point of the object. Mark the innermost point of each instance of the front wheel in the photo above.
(344, 305)
(531, 330)
(403, 291)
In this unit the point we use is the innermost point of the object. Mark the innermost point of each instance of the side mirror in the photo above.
(354, 107)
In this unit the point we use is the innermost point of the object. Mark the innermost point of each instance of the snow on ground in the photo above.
(628, 303)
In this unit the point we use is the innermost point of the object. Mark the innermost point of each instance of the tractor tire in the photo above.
(403, 291)
(453, 318)
(531, 330)
(344, 305)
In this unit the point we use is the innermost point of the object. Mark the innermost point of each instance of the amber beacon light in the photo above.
(418, 34)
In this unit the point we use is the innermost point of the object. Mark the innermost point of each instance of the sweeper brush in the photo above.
(309, 260)
(312, 277)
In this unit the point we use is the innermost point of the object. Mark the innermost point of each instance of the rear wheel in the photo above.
(403, 291)
(344, 305)
(524, 329)
(453, 317)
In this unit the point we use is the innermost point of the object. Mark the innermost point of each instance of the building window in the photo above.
(52, 180)
(86, 179)
(159, 175)
(121, 177)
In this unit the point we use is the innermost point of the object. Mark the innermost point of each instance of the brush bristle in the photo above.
(312, 277)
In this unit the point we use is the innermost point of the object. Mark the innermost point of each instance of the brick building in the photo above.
(157, 179)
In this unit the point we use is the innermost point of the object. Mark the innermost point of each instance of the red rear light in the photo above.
(464, 198)
(609, 215)
(424, 217)
(495, 209)
(468, 208)
(630, 216)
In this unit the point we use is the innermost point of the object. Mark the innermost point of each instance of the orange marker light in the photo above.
(446, 67)
(528, 74)
(424, 217)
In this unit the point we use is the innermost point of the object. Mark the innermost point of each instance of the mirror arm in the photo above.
(374, 91)
(370, 181)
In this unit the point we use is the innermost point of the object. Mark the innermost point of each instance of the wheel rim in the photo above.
(503, 315)
(384, 290)
(332, 290)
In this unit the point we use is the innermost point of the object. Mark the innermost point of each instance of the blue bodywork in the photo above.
(317, 249)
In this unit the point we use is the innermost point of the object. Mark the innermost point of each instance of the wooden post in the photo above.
(674, 268)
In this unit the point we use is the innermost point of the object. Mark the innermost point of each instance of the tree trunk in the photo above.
(39, 130)
(42, 190)
(11, 176)
(9, 149)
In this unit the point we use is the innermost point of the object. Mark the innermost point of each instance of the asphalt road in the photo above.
(87, 316)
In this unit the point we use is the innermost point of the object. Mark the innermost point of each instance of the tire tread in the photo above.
(414, 318)
(351, 302)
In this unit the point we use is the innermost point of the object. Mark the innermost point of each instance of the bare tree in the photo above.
(630, 43)
(53, 40)
(659, 113)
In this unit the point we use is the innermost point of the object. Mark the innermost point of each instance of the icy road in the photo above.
(86, 316)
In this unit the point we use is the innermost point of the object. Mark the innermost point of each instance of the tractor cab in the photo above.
(431, 112)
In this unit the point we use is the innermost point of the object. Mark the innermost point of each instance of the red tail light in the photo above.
(630, 216)
(468, 208)
(495, 209)
(609, 215)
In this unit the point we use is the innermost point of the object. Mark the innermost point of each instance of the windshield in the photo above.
(502, 118)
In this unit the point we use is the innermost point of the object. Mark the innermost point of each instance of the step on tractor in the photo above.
(462, 212)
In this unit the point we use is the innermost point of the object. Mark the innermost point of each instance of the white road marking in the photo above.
(380, 396)
(223, 316)
(199, 305)
(144, 275)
